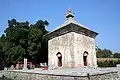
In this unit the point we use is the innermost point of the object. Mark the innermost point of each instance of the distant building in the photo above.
(72, 45)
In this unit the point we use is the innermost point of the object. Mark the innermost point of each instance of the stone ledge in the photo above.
(64, 74)
(69, 72)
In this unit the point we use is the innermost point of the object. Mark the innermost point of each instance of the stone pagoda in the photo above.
(72, 45)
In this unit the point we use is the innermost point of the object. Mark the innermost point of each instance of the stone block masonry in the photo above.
(64, 74)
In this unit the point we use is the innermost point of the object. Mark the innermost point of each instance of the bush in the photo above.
(111, 63)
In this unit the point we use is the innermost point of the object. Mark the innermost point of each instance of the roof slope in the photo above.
(71, 25)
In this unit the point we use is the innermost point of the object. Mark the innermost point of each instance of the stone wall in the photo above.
(84, 43)
(72, 47)
(64, 45)
(118, 68)
(20, 75)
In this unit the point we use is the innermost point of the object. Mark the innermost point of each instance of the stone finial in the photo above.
(69, 14)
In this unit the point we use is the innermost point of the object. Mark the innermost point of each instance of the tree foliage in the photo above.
(109, 63)
(24, 40)
(116, 55)
(103, 53)
(106, 53)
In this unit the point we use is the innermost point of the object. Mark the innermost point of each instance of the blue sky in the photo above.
(102, 16)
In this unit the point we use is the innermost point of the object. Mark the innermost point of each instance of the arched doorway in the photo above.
(59, 56)
(85, 54)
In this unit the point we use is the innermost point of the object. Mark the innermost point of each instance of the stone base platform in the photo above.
(65, 74)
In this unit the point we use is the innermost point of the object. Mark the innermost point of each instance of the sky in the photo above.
(102, 16)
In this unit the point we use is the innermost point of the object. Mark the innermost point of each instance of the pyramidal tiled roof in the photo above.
(71, 21)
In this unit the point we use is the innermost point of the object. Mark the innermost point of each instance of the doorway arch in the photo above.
(59, 57)
(85, 55)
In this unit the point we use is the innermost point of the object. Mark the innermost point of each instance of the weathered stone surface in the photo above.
(118, 68)
(33, 76)
(72, 46)
(64, 74)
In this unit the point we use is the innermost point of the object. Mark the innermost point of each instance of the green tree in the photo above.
(37, 47)
(22, 40)
(103, 53)
(116, 55)
(107, 53)
(99, 52)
